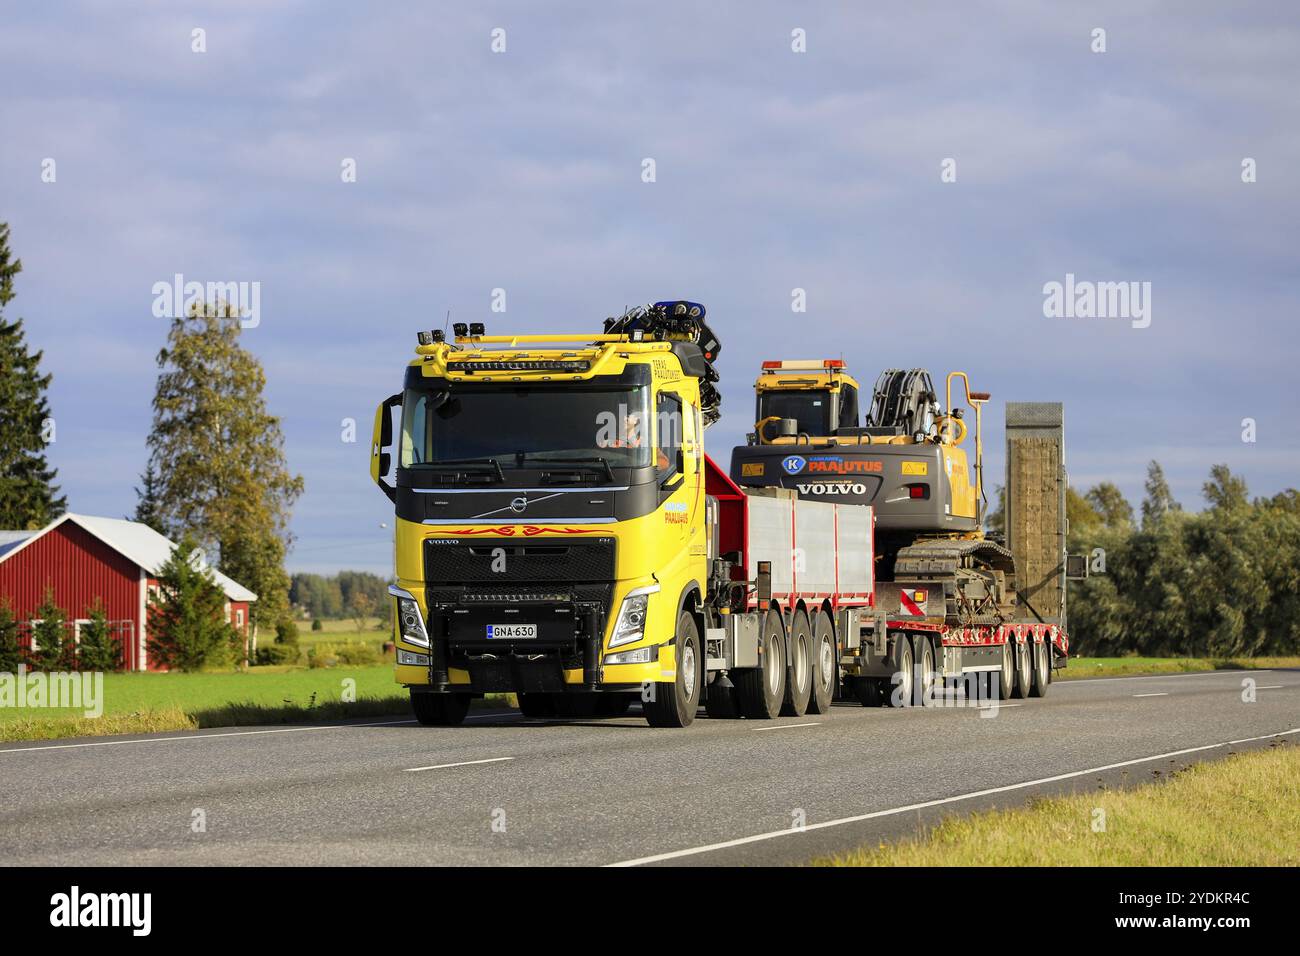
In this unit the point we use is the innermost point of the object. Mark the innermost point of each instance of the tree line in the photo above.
(339, 595)
(1221, 582)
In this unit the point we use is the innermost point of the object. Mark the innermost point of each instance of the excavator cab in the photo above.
(803, 400)
(905, 459)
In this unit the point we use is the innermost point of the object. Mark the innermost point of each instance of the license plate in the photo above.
(512, 632)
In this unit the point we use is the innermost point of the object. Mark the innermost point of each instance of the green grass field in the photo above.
(1240, 811)
(140, 703)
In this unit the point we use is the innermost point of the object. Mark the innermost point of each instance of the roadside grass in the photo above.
(151, 703)
(1243, 810)
(1081, 668)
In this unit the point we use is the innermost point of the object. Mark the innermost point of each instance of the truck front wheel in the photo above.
(439, 710)
(674, 703)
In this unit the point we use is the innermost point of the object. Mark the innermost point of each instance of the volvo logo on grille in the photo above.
(519, 504)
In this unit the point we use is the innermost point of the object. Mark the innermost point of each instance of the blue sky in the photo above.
(775, 170)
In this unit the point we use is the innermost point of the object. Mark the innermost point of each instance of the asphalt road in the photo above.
(504, 790)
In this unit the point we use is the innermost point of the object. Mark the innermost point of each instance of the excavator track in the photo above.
(977, 576)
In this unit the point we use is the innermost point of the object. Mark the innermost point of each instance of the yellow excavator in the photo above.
(907, 458)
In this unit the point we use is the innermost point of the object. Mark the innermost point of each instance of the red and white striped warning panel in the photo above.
(911, 602)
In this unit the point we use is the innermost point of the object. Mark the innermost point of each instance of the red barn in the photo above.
(85, 559)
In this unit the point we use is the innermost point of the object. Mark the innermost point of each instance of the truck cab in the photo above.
(549, 498)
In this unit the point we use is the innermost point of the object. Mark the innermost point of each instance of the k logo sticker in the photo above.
(793, 465)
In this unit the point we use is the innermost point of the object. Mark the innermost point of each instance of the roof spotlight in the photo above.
(476, 328)
(424, 338)
(461, 329)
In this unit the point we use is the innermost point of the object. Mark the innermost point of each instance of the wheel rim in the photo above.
(1041, 653)
(688, 668)
(773, 673)
(801, 663)
(827, 661)
(905, 685)
(1026, 665)
(1008, 672)
(928, 677)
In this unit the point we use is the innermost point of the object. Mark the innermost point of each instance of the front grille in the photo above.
(494, 562)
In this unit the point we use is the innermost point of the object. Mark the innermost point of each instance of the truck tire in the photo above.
(926, 672)
(676, 701)
(760, 691)
(1042, 670)
(900, 684)
(1007, 676)
(826, 665)
(720, 702)
(536, 705)
(1024, 670)
(799, 679)
(870, 691)
(439, 710)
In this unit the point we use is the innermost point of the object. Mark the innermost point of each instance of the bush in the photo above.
(322, 655)
(316, 625)
(286, 632)
(351, 654)
(358, 654)
(277, 654)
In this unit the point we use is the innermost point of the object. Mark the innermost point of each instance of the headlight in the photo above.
(630, 625)
(410, 621)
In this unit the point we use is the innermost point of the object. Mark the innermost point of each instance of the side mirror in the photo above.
(381, 445)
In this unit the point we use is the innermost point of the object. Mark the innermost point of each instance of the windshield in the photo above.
(525, 426)
(810, 409)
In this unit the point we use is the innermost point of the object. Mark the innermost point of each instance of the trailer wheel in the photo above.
(760, 691)
(826, 666)
(1006, 677)
(537, 706)
(923, 652)
(675, 702)
(1024, 670)
(901, 683)
(1042, 670)
(439, 710)
(799, 680)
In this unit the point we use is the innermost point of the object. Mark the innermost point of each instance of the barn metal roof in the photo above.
(140, 543)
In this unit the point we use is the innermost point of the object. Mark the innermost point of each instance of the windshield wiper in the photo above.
(468, 466)
(597, 460)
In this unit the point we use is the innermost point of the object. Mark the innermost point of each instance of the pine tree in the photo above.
(188, 629)
(217, 456)
(11, 654)
(99, 650)
(28, 497)
(148, 508)
(48, 634)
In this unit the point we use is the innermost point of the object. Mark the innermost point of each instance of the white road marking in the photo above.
(463, 763)
(1166, 694)
(814, 723)
(758, 837)
(231, 733)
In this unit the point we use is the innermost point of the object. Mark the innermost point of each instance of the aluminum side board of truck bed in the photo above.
(817, 549)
